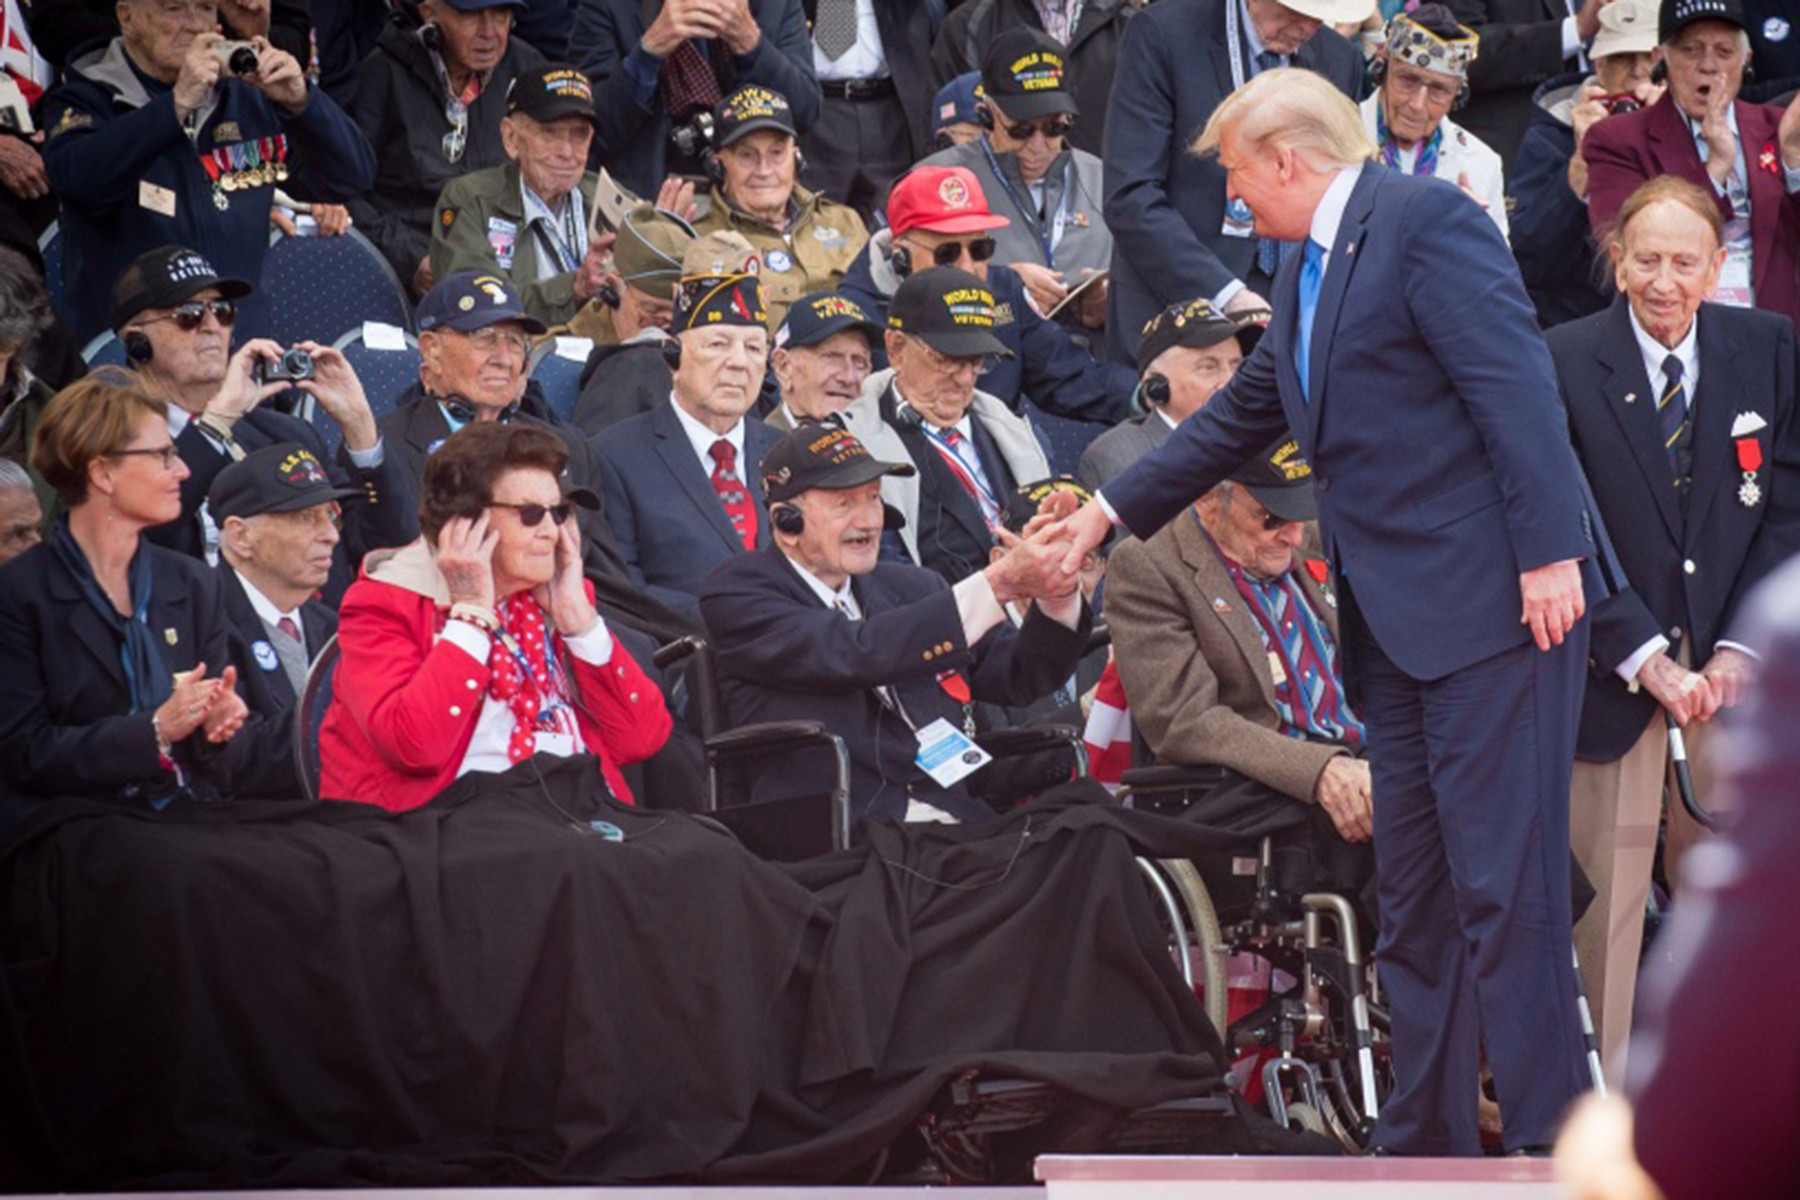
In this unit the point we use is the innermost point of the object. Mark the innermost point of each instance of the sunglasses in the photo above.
(1271, 522)
(1050, 127)
(188, 316)
(531, 514)
(169, 454)
(980, 250)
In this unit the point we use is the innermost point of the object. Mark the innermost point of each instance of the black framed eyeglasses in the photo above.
(980, 250)
(1050, 127)
(531, 514)
(189, 314)
(169, 454)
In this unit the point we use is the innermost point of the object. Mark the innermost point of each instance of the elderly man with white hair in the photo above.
(1405, 355)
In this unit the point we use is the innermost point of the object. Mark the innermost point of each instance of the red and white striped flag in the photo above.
(1108, 732)
(17, 56)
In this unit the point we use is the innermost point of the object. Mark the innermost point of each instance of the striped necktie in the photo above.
(1677, 430)
(732, 494)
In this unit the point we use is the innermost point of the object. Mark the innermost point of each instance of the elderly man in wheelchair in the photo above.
(1225, 638)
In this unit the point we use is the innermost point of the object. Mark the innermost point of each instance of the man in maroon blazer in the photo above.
(1746, 155)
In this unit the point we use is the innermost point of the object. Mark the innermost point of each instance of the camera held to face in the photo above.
(292, 367)
(237, 57)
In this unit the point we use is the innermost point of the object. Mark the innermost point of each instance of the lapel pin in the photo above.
(1219, 605)
(170, 636)
(1350, 248)
(1631, 397)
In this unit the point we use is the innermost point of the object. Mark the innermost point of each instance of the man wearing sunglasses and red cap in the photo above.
(939, 216)
(174, 315)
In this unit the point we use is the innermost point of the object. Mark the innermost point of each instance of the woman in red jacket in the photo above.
(478, 645)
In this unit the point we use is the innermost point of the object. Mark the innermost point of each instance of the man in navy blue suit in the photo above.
(1175, 236)
(1405, 355)
(679, 479)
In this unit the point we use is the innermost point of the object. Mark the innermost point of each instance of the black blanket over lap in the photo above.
(487, 991)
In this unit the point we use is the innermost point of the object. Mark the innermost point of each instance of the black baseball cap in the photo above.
(551, 92)
(1023, 72)
(471, 300)
(166, 276)
(1198, 324)
(1281, 481)
(948, 309)
(748, 109)
(820, 455)
(814, 318)
(284, 477)
(1677, 15)
(1023, 503)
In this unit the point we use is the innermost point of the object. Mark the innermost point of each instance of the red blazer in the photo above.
(404, 704)
(1623, 152)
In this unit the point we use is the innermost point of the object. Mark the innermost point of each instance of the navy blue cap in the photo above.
(471, 300)
(955, 102)
(814, 318)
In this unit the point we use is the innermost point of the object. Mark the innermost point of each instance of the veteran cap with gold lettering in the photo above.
(284, 477)
(1281, 480)
(1024, 72)
(949, 310)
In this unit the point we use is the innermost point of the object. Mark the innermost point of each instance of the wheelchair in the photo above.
(1322, 1036)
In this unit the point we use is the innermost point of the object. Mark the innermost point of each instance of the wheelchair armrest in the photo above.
(768, 735)
(679, 650)
(1037, 739)
(1140, 779)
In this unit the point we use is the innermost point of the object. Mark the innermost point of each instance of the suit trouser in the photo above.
(856, 149)
(1613, 815)
(1471, 790)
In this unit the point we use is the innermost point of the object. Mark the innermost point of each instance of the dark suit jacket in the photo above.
(385, 515)
(631, 139)
(1119, 447)
(1438, 448)
(784, 656)
(64, 725)
(266, 688)
(1630, 149)
(1092, 53)
(1747, 366)
(1164, 206)
(417, 426)
(908, 28)
(662, 508)
(1521, 46)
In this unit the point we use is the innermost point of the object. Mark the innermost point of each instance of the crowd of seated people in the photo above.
(850, 278)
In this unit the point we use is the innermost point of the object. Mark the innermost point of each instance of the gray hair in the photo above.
(24, 305)
(12, 475)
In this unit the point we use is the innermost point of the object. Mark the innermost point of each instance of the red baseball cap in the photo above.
(941, 199)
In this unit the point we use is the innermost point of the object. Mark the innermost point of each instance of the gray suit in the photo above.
(1119, 447)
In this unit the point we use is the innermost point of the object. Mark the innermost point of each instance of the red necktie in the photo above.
(289, 630)
(731, 491)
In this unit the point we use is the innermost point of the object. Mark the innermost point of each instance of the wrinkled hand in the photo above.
(333, 220)
(1080, 535)
(22, 169)
(676, 195)
(225, 716)
(239, 393)
(1245, 301)
(278, 76)
(1346, 794)
(1687, 696)
(339, 391)
(283, 219)
(680, 20)
(1030, 570)
(245, 18)
(1731, 672)
(1587, 113)
(1045, 286)
(189, 702)
(465, 558)
(740, 28)
(1721, 143)
(1090, 306)
(594, 266)
(565, 596)
(200, 71)
(1789, 134)
(422, 277)
(1553, 601)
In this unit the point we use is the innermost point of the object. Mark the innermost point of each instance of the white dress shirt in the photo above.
(702, 439)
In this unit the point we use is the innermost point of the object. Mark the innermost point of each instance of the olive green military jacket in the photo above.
(480, 226)
(822, 238)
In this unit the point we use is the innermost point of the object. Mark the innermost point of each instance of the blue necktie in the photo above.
(1312, 274)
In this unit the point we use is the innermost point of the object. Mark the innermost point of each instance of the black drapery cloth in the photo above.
(486, 991)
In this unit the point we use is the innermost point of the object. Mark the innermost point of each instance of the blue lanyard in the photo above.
(1047, 244)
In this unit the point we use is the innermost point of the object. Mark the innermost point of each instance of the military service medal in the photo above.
(1749, 456)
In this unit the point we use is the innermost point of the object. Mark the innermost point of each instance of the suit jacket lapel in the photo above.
(1335, 284)
(1221, 595)
(1631, 398)
(88, 626)
(1712, 409)
(677, 454)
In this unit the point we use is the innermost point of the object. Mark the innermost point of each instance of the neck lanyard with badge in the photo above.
(1047, 243)
(1238, 220)
(555, 690)
(564, 243)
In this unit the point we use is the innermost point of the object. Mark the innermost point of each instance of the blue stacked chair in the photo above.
(320, 288)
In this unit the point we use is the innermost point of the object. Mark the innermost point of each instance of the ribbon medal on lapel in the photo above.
(1749, 455)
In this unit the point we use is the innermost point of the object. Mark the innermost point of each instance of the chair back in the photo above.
(50, 246)
(105, 350)
(386, 359)
(315, 698)
(556, 367)
(320, 288)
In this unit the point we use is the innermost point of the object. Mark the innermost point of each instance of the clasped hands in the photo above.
(1032, 566)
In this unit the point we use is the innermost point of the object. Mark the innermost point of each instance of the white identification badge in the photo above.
(156, 199)
(947, 755)
(1277, 671)
(1239, 221)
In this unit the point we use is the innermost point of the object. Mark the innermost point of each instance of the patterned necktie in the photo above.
(1312, 274)
(1677, 434)
(731, 491)
(688, 81)
(973, 476)
(834, 27)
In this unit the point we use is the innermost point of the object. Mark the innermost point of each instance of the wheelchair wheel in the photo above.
(1209, 939)
(1306, 1118)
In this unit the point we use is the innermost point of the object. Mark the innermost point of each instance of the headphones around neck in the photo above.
(461, 410)
(138, 350)
(1155, 389)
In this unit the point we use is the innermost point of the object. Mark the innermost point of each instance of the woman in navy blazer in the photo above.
(109, 644)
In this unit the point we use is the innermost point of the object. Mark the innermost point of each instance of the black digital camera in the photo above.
(292, 367)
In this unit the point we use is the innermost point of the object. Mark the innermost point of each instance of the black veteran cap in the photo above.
(820, 455)
(163, 278)
(949, 310)
(1677, 15)
(281, 478)
(748, 109)
(471, 300)
(1022, 72)
(551, 92)
(1024, 502)
(1198, 324)
(1281, 481)
(814, 318)
(719, 284)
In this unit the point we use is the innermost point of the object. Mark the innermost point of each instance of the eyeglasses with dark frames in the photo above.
(189, 314)
(531, 514)
(169, 454)
(946, 254)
